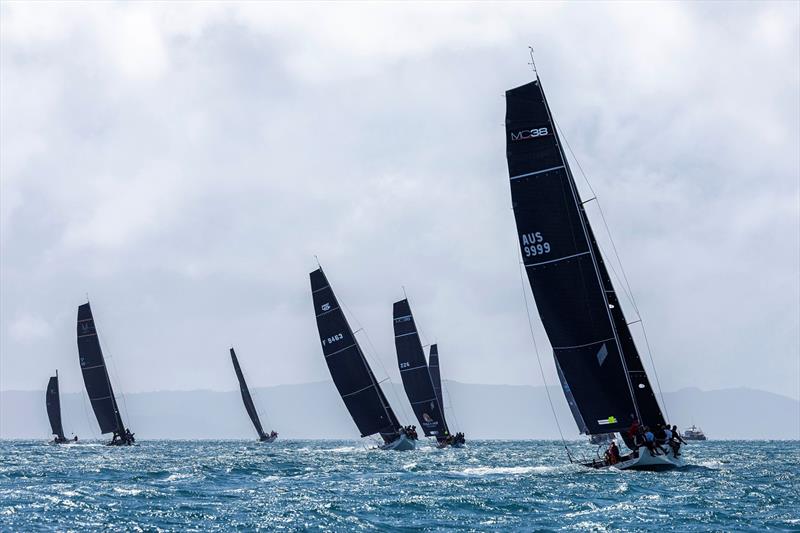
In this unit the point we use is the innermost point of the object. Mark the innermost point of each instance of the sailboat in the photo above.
(416, 377)
(354, 379)
(53, 404)
(578, 306)
(248, 403)
(457, 440)
(98, 384)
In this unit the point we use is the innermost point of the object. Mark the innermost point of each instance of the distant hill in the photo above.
(315, 411)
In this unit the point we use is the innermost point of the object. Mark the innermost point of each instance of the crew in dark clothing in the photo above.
(612, 454)
(676, 441)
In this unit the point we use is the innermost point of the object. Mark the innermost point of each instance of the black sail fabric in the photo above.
(563, 265)
(53, 402)
(414, 370)
(246, 398)
(95, 375)
(436, 376)
(361, 393)
(645, 396)
(573, 406)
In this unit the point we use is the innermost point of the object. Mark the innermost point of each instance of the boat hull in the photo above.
(645, 461)
(268, 439)
(401, 444)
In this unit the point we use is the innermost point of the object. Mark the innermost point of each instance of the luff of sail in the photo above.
(414, 371)
(95, 374)
(53, 403)
(246, 398)
(574, 297)
(361, 393)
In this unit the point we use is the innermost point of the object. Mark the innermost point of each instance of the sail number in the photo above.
(534, 244)
(404, 365)
(332, 339)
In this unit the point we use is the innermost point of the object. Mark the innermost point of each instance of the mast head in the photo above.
(532, 62)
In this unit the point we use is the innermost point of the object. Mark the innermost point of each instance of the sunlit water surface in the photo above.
(343, 486)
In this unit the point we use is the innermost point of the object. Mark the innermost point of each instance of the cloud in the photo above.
(183, 163)
(27, 328)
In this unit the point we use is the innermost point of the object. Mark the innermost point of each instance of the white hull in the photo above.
(644, 461)
(401, 444)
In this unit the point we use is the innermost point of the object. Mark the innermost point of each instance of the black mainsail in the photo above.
(361, 393)
(417, 379)
(53, 402)
(246, 398)
(95, 375)
(578, 306)
(436, 376)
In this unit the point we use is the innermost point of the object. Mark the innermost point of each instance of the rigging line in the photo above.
(427, 365)
(644, 330)
(450, 399)
(627, 285)
(539, 360)
(380, 362)
(113, 368)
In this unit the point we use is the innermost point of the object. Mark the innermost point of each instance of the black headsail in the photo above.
(417, 379)
(573, 292)
(53, 402)
(361, 393)
(246, 398)
(95, 375)
(436, 376)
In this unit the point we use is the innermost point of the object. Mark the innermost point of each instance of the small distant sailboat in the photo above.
(249, 406)
(53, 403)
(98, 384)
(360, 391)
(416, 377)
(600, 369)
(694, 433)
(457, 440)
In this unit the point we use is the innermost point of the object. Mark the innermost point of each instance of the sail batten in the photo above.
(567, 275)
(415, 373)
(95, 374)
(247, 399)
(352, 375)
(53, 403)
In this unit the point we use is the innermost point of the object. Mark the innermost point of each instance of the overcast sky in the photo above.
(183, 163)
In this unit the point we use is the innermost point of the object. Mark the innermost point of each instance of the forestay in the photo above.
(361, 393)
(574, 295)
(414, 371)
(95, 375)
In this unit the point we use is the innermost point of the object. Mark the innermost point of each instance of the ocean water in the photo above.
(344, 486)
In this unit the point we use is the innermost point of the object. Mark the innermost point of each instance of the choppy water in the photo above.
(314, 485)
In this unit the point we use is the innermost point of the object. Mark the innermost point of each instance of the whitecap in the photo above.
(131, 492)
(489, 470)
